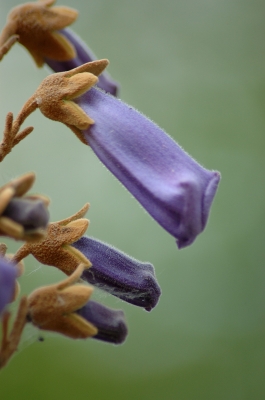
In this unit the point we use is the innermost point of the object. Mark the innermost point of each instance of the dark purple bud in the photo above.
(110, 323)
(119, 274)
(175, 190)
(8, 275)
(83, 55)
(30, 213)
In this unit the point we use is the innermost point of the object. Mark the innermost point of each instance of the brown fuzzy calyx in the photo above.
(37, 25)
(55, 94)
(53, 307)
(55, 249)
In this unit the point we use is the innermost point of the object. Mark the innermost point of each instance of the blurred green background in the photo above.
(196, 68)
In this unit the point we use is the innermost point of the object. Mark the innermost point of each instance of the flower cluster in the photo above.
(172, 187)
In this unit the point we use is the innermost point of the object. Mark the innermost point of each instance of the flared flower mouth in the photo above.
(193, 214)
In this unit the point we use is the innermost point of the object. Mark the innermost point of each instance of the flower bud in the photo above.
(117, 273)
(30, 213)
(110, 323)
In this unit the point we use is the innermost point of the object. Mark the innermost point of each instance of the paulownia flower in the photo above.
(175, 190)
(36, 26)
(66, 308)
(8, 274)
(54, 307)
(22, 217)
(83, 56)
(117, 273)
(64, 247)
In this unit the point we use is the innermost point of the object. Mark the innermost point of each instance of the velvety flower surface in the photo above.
(8, 274)
(83, 55)
(117, 273)
(175, 190)
(110, 323)
(29, 213)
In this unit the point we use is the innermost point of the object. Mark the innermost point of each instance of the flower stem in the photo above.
(11, 135)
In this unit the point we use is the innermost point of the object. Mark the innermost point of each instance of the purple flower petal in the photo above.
(111, 324)
(8, 275)
(31, 214)
(119, 274)
(175, 190)
(83, 55)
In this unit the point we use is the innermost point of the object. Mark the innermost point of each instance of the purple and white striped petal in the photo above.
(175, 190)
(83, 55)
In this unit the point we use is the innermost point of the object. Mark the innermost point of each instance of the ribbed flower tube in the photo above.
(173, 188)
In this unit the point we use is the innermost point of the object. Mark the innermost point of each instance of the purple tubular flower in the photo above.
(110, 323)
(83, 55)
(175, 190)
(29, 213)
(8, 275)
(119, 274)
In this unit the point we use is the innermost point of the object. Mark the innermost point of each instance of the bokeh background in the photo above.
(196, 68)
